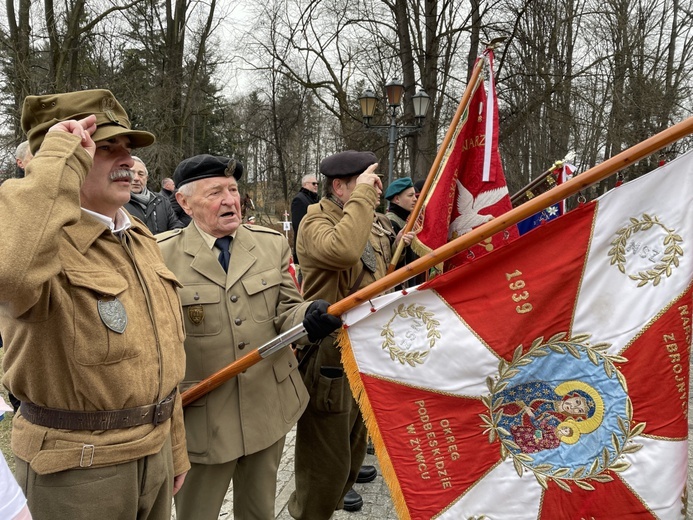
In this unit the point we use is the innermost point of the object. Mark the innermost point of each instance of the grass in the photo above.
(5, 424)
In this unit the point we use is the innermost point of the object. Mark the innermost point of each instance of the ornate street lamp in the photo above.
(394, 91)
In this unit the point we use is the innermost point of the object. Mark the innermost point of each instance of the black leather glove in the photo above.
(318, 323)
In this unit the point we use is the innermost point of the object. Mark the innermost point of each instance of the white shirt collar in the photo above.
(122, 221)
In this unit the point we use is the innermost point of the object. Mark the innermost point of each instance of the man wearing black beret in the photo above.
(237, 295)
(343, 246)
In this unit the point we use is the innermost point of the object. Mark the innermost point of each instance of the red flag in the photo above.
(548, 380)
(469, 188)
(292, 272)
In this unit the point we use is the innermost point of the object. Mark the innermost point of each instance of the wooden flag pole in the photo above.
(414, 215)
(515, 215)
(443, 253)
(541, 178)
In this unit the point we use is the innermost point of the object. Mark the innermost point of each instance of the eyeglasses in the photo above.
(314, 183)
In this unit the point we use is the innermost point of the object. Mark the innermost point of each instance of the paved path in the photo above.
(377, 504)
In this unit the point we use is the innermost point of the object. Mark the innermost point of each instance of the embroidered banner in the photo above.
(460, 198)
(562, 174)
(547, 380)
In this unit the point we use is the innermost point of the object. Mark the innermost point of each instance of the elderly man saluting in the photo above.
(91, 322)
(237, 294)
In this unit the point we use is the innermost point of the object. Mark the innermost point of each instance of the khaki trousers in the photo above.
(138, 490)
(331, 438)
(254, 487)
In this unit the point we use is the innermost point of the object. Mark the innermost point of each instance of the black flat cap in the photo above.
(347, 164)
(205, 166)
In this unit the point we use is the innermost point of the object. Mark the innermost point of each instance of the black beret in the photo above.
(206, 166)
(347, 164)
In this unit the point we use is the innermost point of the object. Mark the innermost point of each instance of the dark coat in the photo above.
(299, 207)
(158, 216)
(180, 212)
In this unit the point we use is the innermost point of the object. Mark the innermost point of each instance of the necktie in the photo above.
(223, 244)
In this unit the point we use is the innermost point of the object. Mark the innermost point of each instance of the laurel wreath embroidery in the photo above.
(562, 477)
(670, 259)
(432, 334)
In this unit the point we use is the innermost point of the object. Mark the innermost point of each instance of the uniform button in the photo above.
(238, 321)
(242, 345)
(264, 282)
(234, 298)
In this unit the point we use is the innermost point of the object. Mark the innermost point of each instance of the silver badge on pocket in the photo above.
(113, 315)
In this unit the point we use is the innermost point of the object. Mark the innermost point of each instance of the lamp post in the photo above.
(394, 92)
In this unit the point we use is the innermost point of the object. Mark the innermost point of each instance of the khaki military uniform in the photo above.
(227, 315)
(341, 251)
(58, 263)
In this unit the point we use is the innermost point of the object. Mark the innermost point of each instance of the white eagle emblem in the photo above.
(469, 207)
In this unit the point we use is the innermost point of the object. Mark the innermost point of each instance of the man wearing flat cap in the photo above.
(344, 246)
(91, 321)
(401, 195)
(237, 295)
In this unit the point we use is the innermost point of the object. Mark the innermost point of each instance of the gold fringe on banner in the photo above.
(352, 372)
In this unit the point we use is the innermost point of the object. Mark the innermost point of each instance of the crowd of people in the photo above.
(104, 325)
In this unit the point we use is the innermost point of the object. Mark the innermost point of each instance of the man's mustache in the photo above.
(122, 174)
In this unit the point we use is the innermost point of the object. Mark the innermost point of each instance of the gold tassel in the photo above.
(352, 372)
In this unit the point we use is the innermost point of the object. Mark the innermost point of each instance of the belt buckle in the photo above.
(157, 413)
(158, 409)
(90, 456)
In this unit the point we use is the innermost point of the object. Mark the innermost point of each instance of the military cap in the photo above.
(398, 186)
(418, 185)
(347, 164)
(42, 112)
(205, 166)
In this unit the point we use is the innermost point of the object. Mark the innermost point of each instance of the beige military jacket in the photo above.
(333, 240)
(226, 316)
(58, 263)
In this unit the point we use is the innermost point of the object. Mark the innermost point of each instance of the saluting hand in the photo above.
(369, 177)
(84, 128)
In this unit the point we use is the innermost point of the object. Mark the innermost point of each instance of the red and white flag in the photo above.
(294, 276)
(547, 380)
(469, 188)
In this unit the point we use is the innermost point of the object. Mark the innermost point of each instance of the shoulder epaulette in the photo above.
(161, 237)
(261, 229)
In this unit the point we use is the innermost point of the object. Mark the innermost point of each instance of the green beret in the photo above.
(205, 166)
(42, 112)
(347, 164)
(397, 187)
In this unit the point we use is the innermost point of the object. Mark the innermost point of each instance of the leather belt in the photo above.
(99, 420)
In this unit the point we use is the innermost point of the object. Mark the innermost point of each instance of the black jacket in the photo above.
(180, 212)
(299, 207)
(158, 216)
